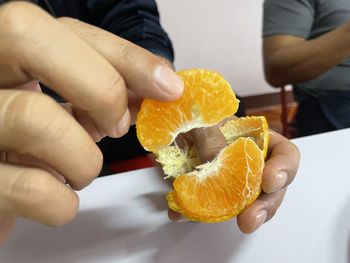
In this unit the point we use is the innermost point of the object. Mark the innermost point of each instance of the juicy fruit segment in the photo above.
(255, 127)
(207, 99)
(221, 189)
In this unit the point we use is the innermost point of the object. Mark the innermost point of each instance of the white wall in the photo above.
(224, 35)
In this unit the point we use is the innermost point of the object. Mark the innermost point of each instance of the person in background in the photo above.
(83, 52)
(305, 43)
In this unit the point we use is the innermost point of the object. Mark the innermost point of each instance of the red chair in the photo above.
(289, 129)
(131, 164)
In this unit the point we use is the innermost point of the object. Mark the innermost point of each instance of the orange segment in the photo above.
(255, 127)
(207, 99)
(220, 190)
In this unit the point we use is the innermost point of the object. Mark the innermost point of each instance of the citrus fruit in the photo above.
(218, 190)
(255, 127)
(207, 99)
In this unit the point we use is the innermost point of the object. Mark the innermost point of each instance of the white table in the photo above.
(123, 219)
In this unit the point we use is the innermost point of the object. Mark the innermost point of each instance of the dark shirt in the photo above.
(136, 21)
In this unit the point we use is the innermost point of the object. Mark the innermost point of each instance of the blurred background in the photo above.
(225, 35)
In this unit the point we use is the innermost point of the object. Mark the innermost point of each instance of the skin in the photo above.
(103, 82)
(290, 59)
(103, 87)
(279, 171)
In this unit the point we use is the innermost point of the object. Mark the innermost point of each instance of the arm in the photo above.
(292, 59)
(288, 56)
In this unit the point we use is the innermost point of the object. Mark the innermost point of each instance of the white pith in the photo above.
(177, 161)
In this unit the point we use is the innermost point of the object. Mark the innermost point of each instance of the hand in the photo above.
(47, 151)
(280, 169)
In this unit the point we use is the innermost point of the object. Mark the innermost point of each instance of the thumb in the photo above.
(208, 141)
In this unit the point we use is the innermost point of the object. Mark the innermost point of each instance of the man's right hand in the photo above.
(47, 151)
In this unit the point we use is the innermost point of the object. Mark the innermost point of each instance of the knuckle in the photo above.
(81, 29)
(16, 17)
(24, 114)
(124, 50)
(68, 20)
(114, 94)
(30, 193)
(73, 24)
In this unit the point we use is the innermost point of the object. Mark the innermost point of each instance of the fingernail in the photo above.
(176, 217)
(280, 181)
(260, 219)
(124, 124)
(182, 219)
(168, 81)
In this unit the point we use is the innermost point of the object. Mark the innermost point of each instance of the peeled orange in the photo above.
(255, 127)
(218, 190)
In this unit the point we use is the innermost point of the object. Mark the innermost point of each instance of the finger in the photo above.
(33, 124)
(176, 217)
(85, 121)
(282, 163)
(184, 141)
(27, 160)
(37, 195)
(6, 225)
(208, 141)
(262, 210)
(56, 57)
(134, 104)
(144, 73)
(30, 86)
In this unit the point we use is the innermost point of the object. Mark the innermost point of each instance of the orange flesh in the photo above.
(207, 99)
(221, 189)
(223, 192)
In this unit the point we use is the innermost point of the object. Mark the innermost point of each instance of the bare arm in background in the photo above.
(290, 59)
